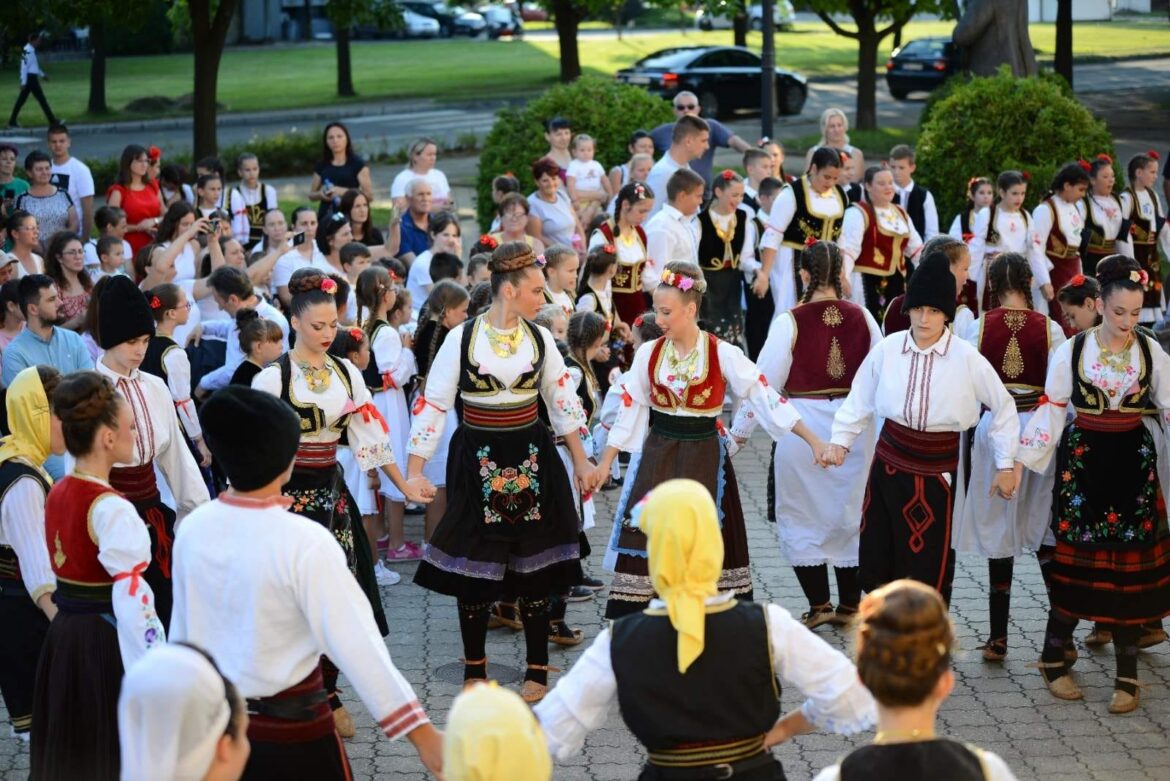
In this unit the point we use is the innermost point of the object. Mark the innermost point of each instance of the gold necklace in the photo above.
(1114, 361)
(681, 368)
(504, 345)
(903, 736)
(317, 379)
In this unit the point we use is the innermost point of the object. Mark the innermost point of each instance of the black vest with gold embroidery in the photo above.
(585, 389)
(11, 471)
(1087, 399)
(312, 418)
(806, 224)
(372, 374)
(472, 383)
(713, 250)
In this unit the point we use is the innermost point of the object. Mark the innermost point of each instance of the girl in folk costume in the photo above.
(1018, 343)
(878, 242)
(125, 325)
(980, 195)
(1059, 220)
(672, 398)
(1005, 227)
(390, 368)
(595, 294)
(166, 359)
(928, 385)
(645, 329)
(445, 308)
(1105, 223)
(636, 272)
(261, 341)
(332, 400)
(812, 207)
(508, 527)
(1112, 559)
(27, 581)
(812, 353)
(560, 278)
(106, 615)
(960, 258)
(1078, 303)
(903, 651)
(727, 238)
(697, 675)
(1147, 226)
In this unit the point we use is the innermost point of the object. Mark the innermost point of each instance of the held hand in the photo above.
(832, 455)
(1047, 292)
(760, 285)
(419, 490)
(1004, 484)
(204, 453)
(373, 482)
(622, 330)
(428, 742)
(777, 735)
(603, 353)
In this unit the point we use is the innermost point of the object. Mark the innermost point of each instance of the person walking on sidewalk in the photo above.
(30, 81)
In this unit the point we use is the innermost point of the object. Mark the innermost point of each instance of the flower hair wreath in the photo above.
(683, 283)
(1141, 277)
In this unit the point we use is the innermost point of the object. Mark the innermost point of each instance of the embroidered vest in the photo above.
(156, 350)
(1143, 231)
(11, 471)
(808, 224)
(704, 394)
(718, 252)
(882, 252)
(73, 546)
(832, 339)
(585, 390)
(935, 759)
(916, 209)
(895, 320)
(1056, 246)
(1088, 399)
(473, 383)
(255, 213)
(1016, 343)
(628, 278)
(312, 417)
(372, 374)
(600, 306)
(1093, 238)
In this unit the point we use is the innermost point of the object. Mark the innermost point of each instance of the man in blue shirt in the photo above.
(414, 239)
(42, 342)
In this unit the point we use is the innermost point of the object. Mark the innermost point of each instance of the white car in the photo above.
(418, 26)
(782, 13)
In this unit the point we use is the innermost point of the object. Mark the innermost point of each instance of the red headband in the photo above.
(1085, 165)
(1106, 158)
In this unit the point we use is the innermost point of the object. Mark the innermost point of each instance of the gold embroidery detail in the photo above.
(477, 382)
(59, 553)
(1013, 359)
(832, 317)
(836, 365)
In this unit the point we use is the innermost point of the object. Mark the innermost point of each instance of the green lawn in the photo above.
(298, 76)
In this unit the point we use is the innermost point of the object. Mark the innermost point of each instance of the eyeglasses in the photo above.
(685, 106)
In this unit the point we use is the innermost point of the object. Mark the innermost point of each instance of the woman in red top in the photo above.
(138, 195)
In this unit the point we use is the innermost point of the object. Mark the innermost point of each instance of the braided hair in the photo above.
(1008, 273)
(84, 401)
(822, 262)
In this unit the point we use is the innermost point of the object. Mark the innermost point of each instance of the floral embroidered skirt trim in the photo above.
(1112, 561)
(510, 526)
(678, 447)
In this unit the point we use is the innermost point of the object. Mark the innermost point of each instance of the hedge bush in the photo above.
(998, 123)
(601, 107)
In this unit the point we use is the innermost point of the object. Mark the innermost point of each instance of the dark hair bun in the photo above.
(1116, 269)
(245, 316)
(305, 280)
(904, 642)
(511, 256)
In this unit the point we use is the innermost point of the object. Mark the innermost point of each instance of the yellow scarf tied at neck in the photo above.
(28, 420)
(685, 549)
(492, 736)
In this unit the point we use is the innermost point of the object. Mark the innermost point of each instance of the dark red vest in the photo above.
(628, 278)
(73, 548)
(882, 253)
(832, 339)
(1016, 343)
(702, 395)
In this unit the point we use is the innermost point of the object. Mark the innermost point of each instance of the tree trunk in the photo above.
(97, 67)
(567, 21)
(207, 38)
(344, 64)
(1063, 61)
(739, 24)
(307, 16)
(867, 55)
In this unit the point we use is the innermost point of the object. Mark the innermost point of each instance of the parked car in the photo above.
(783, 17)
(453, 20)
(921, 65)
(413, 26)
(502, 20)
(531, 12)
(726, 79)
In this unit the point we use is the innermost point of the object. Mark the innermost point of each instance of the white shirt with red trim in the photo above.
(270, 603)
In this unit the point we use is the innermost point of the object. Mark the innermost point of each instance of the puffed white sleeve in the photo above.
(430, 409)
(913, 244)
(956, 229)
(1005, 421)
(175, 460)
(580, 702)
(1041, 435)
(369, 433)
(587, 303)
(1123, 243)
(852, 235)
(1041, 226)
(565, 413)
(405, 367)
(783, 210)
(343, 624)
(855, 414)
(931, 214)
(386, 347)
(771, 409)
(178, 367)
(1160, 382)
(124, 552)
(978, 246)
(633, 414)
(836, 700)
(748, 262)
(23, 516)
(268, 380)
(773, 363)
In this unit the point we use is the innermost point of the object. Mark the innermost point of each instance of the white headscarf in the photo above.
(171, 714)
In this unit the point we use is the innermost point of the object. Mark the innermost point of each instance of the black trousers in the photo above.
(25, 627)
(32, 87)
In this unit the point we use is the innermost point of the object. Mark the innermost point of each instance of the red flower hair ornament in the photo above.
(154, 153)
(1153, 155)
(328, 286)
(609, 249)
(811, 240)
(489, 241)
(155, 302)
(727, 174)
(1085, 165)
(638, 321)
(357, 335)
(1077, 281)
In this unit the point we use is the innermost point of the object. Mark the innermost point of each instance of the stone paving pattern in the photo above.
(1004, 708)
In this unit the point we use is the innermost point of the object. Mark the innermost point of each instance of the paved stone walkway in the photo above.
(1004, 708)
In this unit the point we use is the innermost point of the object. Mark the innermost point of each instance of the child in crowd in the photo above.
(477, 269)
(355, 258)
(914, 198)
(980, 195)
(851, 178)
(1078, 303)
(556, 320)
(262, 342)
(111, 257)
(776, 150)
(589, 188)
(595, 294)
(560, 277)
(249, 201)
(501, 186)
(109, 221)
(208, 194)
(641, 146)
(671, 233)
(757, 163)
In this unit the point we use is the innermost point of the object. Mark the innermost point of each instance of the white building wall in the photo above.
(1083, 10)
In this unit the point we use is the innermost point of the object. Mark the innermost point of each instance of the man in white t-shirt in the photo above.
(249, 201)
(688, 142)
(72, 176)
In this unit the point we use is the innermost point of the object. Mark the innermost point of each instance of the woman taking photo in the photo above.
(135, 193)
(339, 169)
(552, 218)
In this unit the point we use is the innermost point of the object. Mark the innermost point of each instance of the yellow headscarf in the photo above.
(492, 735)
(686, 558)
(28, 420)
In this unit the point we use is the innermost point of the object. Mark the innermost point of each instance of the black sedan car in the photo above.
(726, 79)
(920, 66)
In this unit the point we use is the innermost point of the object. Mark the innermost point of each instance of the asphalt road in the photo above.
(390, 125)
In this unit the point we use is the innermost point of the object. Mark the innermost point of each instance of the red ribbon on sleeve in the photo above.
(369, 412)
(135, 576)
